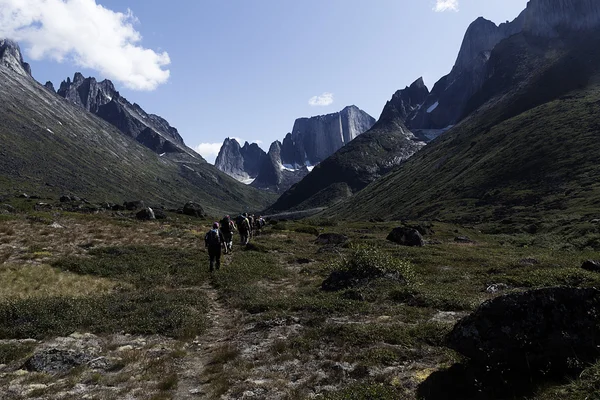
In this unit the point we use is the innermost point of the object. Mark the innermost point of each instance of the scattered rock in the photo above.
(65, 199)
(56, 225)
(23, 196)
(331, 238)
(496, 287)
(53, 361)
(591, 265)
(546, 331)
(529, 261)
(406, 237)
(133, 205)
(193, 209)
(7, 208)
(42, 207)
(145, 214)
(463, 239)
(160, 214)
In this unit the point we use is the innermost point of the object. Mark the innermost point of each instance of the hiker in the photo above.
(251, 224)
(227, 228)
(213, 242)
(259, 224)
(243, 228)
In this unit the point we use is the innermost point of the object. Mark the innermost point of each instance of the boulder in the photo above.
(331, 238)
(160, 214)
(463, 239)
(145, 214)
(406, 237)
(591, 265)
(7, 207)
(133, 205)
(551, 331)
(193, 209)
(54, 361)
(65, 199)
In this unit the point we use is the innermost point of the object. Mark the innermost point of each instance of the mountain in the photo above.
(311, 141)
(102, 99)
(525, 155)
(51, 146)
(241, 163)
(371, 155)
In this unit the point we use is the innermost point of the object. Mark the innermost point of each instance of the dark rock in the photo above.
(8, 208)
(145, 214)
(160, 214)
(496, 287)
(546, 331)
(304, 261)
(406, 237)
(193, 209)
(55, 361)
(353, 294)
(591, 265)
(65, 199)
(42, 207)
(331, 239)
(463, 239)
(133, 205)
(23, 196)
(118, 207)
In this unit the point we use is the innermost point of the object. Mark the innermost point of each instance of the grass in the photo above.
(178, 314)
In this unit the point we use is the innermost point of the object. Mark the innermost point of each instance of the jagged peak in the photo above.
(11, 56)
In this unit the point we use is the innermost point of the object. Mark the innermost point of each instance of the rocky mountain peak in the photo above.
(242, 163)
(550, 17)
(50, 87)
(405, 102)
(10, 56)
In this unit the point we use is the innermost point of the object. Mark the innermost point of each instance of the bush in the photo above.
(367, 263)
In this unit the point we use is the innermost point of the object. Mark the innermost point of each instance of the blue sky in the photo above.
(249, 68)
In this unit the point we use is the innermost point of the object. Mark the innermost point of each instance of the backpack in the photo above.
(226, 225)
(213, 238)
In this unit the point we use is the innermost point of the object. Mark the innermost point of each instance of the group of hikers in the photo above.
(220, 238)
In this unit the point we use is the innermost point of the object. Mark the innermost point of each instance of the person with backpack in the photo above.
(213, 241)
(244, 229)
(227, 228)
(251, 224)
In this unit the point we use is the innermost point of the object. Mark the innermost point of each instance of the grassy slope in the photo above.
(88, 157)
(528, 157)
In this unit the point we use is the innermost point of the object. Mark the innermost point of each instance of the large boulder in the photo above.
(53, 361)
(591, 265)
(145, 214)
(406, 237)
(547, 331)
(193, 209)
(133, 205)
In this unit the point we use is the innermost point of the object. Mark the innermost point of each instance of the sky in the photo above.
(246, 68)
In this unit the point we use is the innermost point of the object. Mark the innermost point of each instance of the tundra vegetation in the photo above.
(105, 306)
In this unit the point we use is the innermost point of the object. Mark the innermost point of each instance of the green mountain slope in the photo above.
(527, 154)
(51, 147)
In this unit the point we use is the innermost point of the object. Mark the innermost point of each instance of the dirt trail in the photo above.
(195, 380)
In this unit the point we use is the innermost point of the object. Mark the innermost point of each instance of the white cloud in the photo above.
(209, 151)
(325, 99)
(87, 34)
(445, 5)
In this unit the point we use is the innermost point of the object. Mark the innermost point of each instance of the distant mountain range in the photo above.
(311, 141)
(480, 80)
(89, 141)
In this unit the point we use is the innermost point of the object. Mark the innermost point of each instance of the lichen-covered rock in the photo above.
(406, 237)
(193, 209)
(545, 331)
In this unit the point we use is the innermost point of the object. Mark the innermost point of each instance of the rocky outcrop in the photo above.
(242, 163)
(314, 139)
(447, 103)
(311, 141)
(406, 237)
(546, 331)
(50, 87)
(11, 57)
(102, 99)
(405, 102)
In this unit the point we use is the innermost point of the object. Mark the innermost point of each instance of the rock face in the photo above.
(546, 331)
(242, 163)
(11, 57)
(314, 139)
(447, 103)
(311, 141)
(102, 99)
